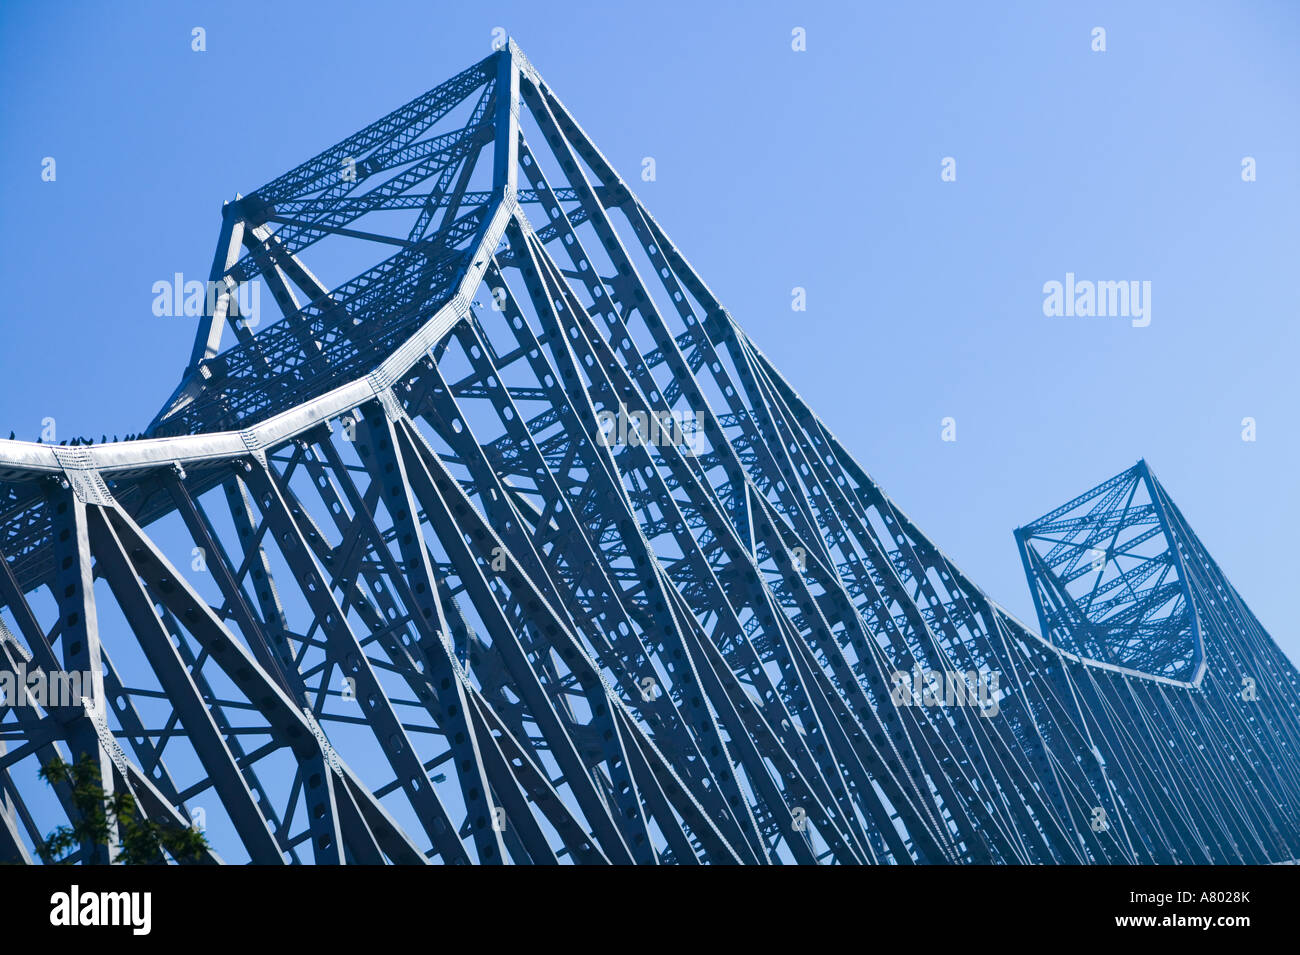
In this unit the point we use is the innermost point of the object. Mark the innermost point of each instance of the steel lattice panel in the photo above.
(513, 547)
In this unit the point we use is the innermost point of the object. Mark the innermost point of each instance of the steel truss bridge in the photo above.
(378, 584)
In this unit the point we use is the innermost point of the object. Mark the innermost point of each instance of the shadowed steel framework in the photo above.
(502, 542)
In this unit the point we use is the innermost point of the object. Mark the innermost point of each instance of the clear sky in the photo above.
(819, 169)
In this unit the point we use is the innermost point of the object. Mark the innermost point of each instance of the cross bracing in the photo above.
(502, 542)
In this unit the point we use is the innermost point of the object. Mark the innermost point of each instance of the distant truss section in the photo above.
(502, 542)
(1111, 581)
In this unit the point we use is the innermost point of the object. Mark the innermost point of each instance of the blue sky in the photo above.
(775, 169)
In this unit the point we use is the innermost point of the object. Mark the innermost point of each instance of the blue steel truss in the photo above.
(503, 543)
(1110, 580)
